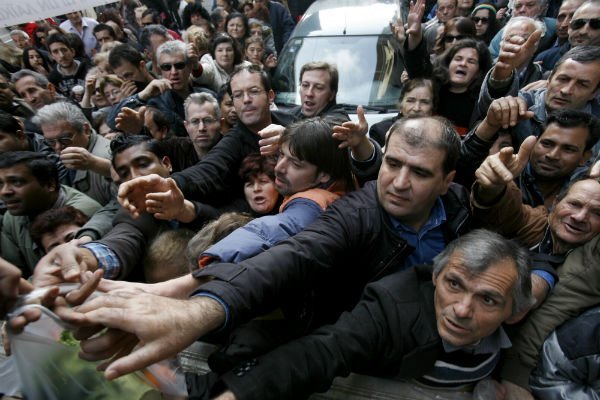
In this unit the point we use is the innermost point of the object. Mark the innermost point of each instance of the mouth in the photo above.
(259, 200)
(574, 228)
(560, 101)
(460, 72)
(398, 199)
(547, 166)
(280, 182)
(453, 326)
(11, 204)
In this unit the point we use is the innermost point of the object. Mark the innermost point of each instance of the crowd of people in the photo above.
(142, 154)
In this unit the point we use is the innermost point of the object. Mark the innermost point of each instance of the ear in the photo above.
(585, 157)
(87, 130)
(433, 278)
(322, 177)
(448, 179)
(271, 96)
(166, 161)
(52, 89)
(513, 319)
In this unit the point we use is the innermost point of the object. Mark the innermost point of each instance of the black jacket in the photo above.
(322, 271)
(215, 179)
(390, 333)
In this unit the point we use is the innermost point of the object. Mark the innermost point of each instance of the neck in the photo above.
(183, 93)
(457, 89)
(549, 188)
(71, 69)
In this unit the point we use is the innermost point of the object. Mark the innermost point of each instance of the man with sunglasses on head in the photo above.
(166, 93)
(582, 26)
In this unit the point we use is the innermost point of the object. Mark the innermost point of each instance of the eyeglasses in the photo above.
(168, 67)
(205, 121)
(4, 85)
(483, 20)
(580, 23)
(64, 140)
(252, 93)
(451, 38)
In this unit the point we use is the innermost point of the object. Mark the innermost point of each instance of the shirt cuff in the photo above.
(107, 259)
(201, 293)
(545, 276)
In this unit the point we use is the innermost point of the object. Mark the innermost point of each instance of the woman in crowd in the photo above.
(258, 174)
(35, 60)
(458, 72)
(110, 87)
(418, 97)
(224, 56)
(486, 24)
(255, 52)
(195, 14)
(236, 25)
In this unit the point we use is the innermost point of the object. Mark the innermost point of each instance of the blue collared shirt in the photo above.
(429, 241)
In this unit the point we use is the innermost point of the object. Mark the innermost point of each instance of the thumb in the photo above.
(526, 149)
(141, 111)
(360, 112)
(533, 38)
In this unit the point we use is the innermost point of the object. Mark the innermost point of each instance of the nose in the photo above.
(256, 186)
(580, 215)
(280, 166)
(554, 153)
(402, 180)
(463, 308)
(568, 88)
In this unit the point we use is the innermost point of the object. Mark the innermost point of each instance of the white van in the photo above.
(355, 36)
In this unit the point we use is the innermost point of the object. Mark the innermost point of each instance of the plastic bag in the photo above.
(47, 362)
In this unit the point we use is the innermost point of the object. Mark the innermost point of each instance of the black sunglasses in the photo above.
(580, 23)
(483, 20)
(451, 38)
(167, 67)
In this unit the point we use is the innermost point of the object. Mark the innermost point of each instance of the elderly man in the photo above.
(82, 150)
(533, 9)
(20, 38)
(318, 91)
(580, 33)
(12, 104)
(523, 27)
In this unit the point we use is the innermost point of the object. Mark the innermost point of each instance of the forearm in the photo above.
(100, 165)
(363, 150)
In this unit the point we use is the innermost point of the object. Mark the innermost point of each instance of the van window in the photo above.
(369, 68)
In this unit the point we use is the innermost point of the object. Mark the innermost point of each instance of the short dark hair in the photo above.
(50, 220)
(159, 117)
(325, 66)
(253, 69)
(123, 142)
(104, 27)
(191, 9)
(9, 124)
(576, 119)
(310, 140)
(43, 169)
(124, 52)
(58, 38)
(225, 38)
(150, 30)
(236, 14)
(256, 164)
(581, 54)
(447, 141)
(153, 13)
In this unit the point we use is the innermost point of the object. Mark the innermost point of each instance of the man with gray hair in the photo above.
(202, 121)
(523, 27)
(82, 150)
(535, 9)
(34, 88)
(167, 93)
(20, 38)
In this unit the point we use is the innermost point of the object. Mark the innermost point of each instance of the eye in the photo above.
(489, 301)
(453, 284)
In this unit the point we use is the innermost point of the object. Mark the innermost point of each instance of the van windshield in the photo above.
(369, 69)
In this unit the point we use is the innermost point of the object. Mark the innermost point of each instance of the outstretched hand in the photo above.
(132, 194)
(514, 51)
